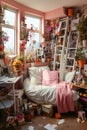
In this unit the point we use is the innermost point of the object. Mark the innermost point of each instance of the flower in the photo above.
(17, 63)
(23, 45)
(3, 37)
(24, 35)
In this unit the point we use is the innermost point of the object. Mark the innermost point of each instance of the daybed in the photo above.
(43, 87)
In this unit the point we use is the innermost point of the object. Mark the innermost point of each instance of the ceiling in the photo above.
(48, 5)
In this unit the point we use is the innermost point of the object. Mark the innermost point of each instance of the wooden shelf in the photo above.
(81, 86)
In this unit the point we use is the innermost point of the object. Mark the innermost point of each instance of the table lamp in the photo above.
(10, 66)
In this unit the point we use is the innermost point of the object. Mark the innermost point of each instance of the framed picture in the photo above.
(73, 39)
(74, 23)
(70, 62)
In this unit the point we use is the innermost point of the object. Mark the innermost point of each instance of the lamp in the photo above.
(11, 58)
(10, 67)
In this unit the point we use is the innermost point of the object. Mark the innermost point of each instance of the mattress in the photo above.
(43, 94)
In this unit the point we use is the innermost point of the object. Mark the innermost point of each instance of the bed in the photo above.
(43, 85)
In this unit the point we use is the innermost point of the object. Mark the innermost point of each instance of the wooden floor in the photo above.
(70, 123)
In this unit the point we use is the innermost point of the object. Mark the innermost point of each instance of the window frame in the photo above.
(40, 31)
(5, 25)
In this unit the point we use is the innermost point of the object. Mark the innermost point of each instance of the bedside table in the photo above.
(79, 86)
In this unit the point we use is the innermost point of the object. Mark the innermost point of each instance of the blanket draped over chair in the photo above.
(64, 98)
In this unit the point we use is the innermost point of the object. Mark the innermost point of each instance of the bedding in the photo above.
(49, 77)
(35, 74)
(42, 94)
(64, 98)
(48, 93)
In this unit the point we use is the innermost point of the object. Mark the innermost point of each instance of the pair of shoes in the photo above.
(83, 121)
(80, 120)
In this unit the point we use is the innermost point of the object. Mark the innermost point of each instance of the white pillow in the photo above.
(35, 74)
(69, 76)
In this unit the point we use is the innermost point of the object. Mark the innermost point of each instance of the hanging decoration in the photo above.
(24, 37)
(51, 29)
(3, 37)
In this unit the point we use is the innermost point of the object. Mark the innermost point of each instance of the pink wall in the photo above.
(22, 8)
(60, 12)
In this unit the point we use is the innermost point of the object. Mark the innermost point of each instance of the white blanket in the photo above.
(43, 94)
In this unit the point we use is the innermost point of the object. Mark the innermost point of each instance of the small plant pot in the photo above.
(2, 47)
(81, 63)
(70, 12)
(27, 117)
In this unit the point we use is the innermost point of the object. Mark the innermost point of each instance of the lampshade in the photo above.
(10, 67)
(11, 57)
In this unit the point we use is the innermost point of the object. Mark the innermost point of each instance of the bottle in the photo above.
(0, 70)
(83, 82)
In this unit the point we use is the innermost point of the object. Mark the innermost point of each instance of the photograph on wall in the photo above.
(70, 62)
(73, 39)
(74, 24)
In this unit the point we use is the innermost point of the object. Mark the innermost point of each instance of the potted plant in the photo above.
(82, 28)
(80, 57)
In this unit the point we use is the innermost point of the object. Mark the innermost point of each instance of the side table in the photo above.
(4, 80)
(82, 88)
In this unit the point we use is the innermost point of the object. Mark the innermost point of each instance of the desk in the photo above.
(10, 81)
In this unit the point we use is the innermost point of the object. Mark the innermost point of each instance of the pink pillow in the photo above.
(49, 77)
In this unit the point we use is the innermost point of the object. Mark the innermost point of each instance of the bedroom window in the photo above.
(10, 28)
(34, 26)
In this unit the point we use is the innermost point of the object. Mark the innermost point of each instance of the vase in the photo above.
(84, 42)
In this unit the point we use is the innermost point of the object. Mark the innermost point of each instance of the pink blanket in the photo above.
(64, 99)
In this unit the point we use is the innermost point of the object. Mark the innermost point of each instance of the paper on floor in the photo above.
(30, 128)
(61, 121)
(49, 127)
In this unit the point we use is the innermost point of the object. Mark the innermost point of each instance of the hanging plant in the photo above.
(82, 28)
(24, 31)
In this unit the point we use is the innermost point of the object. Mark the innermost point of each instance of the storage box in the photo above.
(47, 110)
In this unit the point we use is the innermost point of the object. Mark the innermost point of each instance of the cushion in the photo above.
(69, 76)
(49, 77)
(35, 74)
